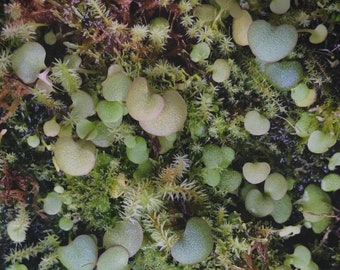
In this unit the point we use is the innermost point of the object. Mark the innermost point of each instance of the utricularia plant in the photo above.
(169, 134)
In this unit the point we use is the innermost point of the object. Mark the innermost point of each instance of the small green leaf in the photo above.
(109, 111)
(256, 172)
(139, 153)
(319, 142)
(276, 186)
(331, 182)
(211, 176)
(256, 124)
(257, 204)
(52, 203)
(196, 244)
(128, 234)
(81, 253)
(200, 52)
(86, 129)
(114, 258)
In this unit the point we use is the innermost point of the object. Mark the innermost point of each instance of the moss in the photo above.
(114, 72)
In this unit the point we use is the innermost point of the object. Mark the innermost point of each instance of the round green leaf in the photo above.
(334, 161)
(331, 182)
(279, 6)
(200, 52)
(220, 70)
(74, 157)
(116, 86)
(284, 75)
(172, 117)
(52, 203)
(139, 153)
(16, 231)
(65, 224)
(257, 204)
(306, 124)
(319, 142)
(212, 156)
(51, 128)
(276, 186)
(114, 258)
(82, 105)
(33, 141)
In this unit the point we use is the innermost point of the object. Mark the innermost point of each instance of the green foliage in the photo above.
(146, 119)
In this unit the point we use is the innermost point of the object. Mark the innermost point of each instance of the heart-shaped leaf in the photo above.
(319, 142)
(271, 43)
(127, 234)
(143, 105)
(196, 243)
(256, 172)
(28, 61)
(256, 124)
(284, 75)
(319, 34)
(74, 157)
(257, 204)
(81, 254)
(114, 258)
(172, 117)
